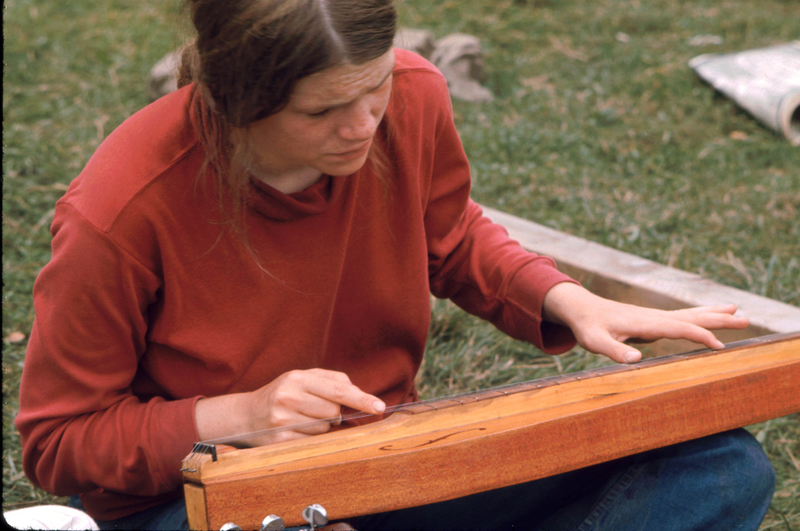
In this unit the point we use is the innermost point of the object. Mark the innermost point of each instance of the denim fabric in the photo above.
(170, 516)
(722, 482)
(692, 486)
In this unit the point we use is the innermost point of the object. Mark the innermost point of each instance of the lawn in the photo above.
(598, 129)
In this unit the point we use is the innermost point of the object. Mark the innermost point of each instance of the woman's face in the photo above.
(328, 124)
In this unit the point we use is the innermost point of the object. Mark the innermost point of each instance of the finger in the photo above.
(290, 419)
(703, 336)
(283, 436)
(607, 346)
(713, 317)
(327, 373)
(317, 407)
(346, 394)
(288, 429)
(333, 387)
(295, 407)
(678, 329)
(312, 427)
(270, 438)
(719, 308)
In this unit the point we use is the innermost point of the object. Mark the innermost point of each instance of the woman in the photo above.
(257, 250)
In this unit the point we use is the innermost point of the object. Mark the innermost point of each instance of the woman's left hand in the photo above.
(601, 325)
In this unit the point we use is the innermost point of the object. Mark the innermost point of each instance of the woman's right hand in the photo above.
(295, 397)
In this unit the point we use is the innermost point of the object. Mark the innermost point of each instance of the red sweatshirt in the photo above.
(148, 305)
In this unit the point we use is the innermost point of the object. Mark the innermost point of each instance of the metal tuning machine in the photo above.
(316, 515)
(272, 523)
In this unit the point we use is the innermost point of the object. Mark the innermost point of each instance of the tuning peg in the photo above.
(230, 527)
(272, 523)
(316, 515)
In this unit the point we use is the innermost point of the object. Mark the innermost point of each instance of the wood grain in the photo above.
(561, 425)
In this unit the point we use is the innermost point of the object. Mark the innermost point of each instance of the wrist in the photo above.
(564, 303)
(221, 416)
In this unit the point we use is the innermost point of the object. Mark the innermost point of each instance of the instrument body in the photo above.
(499, 438)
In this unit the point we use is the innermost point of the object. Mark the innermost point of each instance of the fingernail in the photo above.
(632, 356)
(379, 406)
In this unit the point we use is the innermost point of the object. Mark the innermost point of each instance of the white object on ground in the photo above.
(49, 517)
(765, 82)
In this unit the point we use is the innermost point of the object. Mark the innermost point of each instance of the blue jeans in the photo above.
(722, 482)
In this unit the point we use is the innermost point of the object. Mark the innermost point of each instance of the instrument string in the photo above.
(433, 404)
(454, 400)
(458, 399)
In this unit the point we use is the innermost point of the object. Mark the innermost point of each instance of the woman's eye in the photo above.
(318, 114)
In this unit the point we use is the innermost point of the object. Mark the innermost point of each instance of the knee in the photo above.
(748, 478)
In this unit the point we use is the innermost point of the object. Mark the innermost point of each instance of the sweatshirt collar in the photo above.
(274, 204)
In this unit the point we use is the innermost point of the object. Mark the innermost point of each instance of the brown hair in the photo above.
(248, 56)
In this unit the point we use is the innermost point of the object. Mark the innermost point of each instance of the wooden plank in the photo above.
(196, 506)
(628, 278)
(348, 469)
(504, 440)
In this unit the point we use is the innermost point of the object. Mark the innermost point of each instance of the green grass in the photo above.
(618, 142)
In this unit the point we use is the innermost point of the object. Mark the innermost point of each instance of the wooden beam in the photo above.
(628, 278)
(499, 437)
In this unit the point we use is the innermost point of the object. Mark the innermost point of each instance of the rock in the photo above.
(418, 41)
(164, 75)
(460, 58)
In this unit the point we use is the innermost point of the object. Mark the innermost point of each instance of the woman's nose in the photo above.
(361, 122)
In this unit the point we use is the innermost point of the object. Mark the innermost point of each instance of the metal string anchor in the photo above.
(191, 463)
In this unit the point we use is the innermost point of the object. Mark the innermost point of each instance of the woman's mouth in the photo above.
(353, 153)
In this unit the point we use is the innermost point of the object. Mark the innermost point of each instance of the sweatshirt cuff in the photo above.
(525, 298)
(176, 434)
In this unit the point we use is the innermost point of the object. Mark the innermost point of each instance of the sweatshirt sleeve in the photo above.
(473, 261)
(82, 427)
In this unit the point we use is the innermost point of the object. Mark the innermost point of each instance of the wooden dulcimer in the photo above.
(498, 437)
